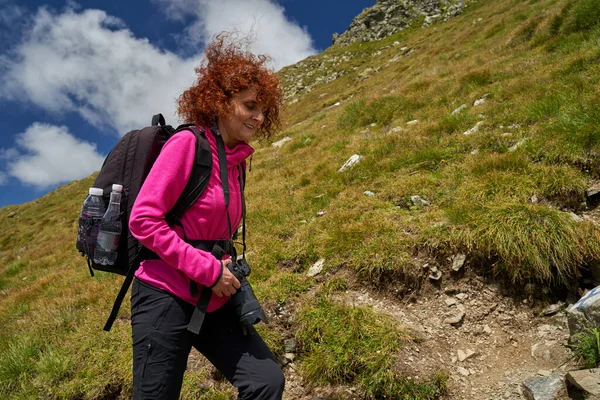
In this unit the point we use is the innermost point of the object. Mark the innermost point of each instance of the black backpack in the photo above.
(128, 164)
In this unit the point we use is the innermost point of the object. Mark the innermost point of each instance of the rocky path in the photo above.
(488, 342)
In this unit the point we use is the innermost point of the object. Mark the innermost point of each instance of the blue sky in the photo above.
(75, 76)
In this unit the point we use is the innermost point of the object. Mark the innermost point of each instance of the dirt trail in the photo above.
(499, 343)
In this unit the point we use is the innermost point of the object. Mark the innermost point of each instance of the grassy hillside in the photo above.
(502, 194)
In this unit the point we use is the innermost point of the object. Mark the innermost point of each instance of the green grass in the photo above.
(353, 345)
(586, 344)
(586, 15)
(532, 242)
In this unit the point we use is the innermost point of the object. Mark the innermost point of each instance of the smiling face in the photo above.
(245, 117)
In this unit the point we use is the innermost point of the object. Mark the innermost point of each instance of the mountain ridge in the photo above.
(387, 17)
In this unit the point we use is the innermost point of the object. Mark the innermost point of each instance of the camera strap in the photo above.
(200, 310)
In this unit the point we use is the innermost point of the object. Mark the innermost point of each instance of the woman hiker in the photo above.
(235, 98)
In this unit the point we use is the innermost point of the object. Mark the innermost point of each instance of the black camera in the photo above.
(247, 307)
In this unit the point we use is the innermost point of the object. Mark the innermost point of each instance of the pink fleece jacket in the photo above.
(205, 220)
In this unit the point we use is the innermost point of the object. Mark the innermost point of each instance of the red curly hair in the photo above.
(230, 68)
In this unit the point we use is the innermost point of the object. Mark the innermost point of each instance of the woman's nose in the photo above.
(259, 117)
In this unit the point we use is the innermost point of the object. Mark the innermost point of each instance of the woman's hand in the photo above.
(228, 284)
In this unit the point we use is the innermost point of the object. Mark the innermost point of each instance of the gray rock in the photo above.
(518, 144)
(473, 129)
(575, 217)
(593, 191)
(459, 109)
(585, 312)
(553, 309)
(279, 144)
(351, 162)
(290, 345)
(550, 387)
(455, 319)
(283, 360)
(458, 262)
(435, 274)
(481, 100)
(587, 380)
(465, 355)
(462, 296)
(390, 16)
(450, 302)
(316, 268)
(419, 201)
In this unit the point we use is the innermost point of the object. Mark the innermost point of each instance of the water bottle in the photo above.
(92, 212)
(109, 231)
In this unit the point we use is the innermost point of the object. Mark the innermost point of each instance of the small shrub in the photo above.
(545, 106)
(455, 123)
(586, 14)
(526, 32)
(335, 284)
(556, 24)
(579, 124)
(353, 115)
(496, 29)
(587, 346)
(530, 242)
(514, 162)
(15, 268)
(477, 78)
(17, 361)
(54, 365)
(381, 111)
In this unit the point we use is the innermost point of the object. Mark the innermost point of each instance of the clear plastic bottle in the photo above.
(109, 231)
(91, 214)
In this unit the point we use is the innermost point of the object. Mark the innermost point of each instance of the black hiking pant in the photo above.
(162, 343)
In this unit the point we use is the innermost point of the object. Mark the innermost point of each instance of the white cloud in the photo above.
(89, 63)
(285, 41)
(46, 155)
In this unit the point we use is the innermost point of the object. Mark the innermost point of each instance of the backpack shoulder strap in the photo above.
(198, 179)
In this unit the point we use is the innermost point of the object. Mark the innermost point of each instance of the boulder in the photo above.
(593, 190)
(551, 387)
(585, 312)
(587, 380)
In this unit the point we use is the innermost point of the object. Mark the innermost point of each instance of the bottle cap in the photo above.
(96, 191)
(117, 188)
